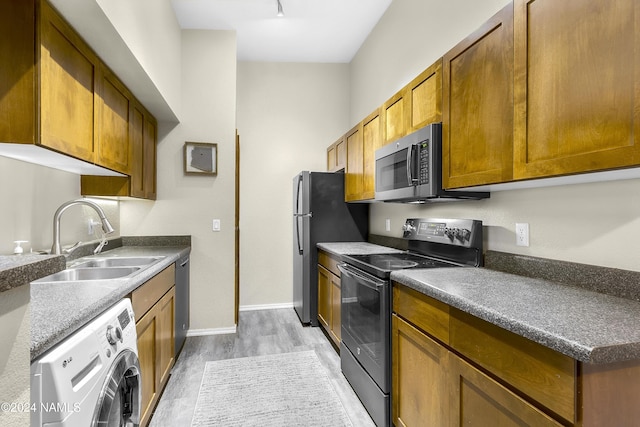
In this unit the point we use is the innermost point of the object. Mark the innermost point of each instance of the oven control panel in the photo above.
(458, 232)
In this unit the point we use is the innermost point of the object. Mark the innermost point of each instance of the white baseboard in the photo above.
(266, 306)
(212, 331)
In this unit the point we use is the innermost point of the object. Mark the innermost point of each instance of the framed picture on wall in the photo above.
(200, 158)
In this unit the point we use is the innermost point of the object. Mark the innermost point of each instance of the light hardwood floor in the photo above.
(258, 333)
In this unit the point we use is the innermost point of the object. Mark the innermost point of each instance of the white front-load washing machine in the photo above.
(92, 378)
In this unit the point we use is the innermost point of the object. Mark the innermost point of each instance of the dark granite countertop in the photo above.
(355, 248)
(59, 309)
(588, 326)
(20, 270)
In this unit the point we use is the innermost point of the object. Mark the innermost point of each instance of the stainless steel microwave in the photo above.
(410, 170)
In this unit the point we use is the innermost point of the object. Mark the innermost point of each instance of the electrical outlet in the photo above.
(216, 225)
(387, 224)
(522, 234)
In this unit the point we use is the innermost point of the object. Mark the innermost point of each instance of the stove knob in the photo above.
(449, 233)
(114, 335)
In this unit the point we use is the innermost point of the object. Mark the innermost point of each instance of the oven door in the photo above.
(366, 327)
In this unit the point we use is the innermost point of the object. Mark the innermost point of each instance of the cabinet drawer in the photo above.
(428, 314)
(545, 375)
(329, 262)
(143, 298)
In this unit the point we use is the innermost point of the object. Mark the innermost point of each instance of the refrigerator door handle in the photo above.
(310, 215)
(298, 215)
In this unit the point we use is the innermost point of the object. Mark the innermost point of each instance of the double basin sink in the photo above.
(101, 268)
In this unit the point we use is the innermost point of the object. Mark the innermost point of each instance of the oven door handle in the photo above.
(363, 279)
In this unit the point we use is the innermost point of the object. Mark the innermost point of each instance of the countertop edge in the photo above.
(592, 355)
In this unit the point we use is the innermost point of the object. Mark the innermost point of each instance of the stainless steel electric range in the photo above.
(365, 351)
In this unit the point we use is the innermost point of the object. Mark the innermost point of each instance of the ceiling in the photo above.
(310, 31)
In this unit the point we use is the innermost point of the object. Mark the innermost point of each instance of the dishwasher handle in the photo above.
(184, 263)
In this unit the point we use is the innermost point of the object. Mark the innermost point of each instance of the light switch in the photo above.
(216, 225)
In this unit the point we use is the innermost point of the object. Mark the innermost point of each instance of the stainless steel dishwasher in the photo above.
(181, 302)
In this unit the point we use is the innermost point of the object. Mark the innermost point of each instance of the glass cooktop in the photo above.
(384, 264)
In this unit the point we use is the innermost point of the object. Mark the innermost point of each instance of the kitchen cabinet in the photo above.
(329, 294)
(420, 391)
(424, 94)
(337, 156)
(577, 101)
(477, 106)
(362, 142)
(56, 92)
(141, 183)
(395, 117)
(67, 83)
(115, 108)
(354, 172)
(446, 358)
(154, 308)
(478, 397)
(371, 141)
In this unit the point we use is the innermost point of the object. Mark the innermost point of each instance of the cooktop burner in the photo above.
(383, 264)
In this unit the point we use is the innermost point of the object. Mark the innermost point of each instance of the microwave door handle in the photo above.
(412, 160)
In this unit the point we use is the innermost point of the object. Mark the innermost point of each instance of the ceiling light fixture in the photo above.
(280, 12)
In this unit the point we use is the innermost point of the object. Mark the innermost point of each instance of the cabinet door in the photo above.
(420, 391)
(372, 140)
(394, 117)
(335, 309)
(477, 116)
(478, 400)
(17, 68)
(165, 315)
(149, 164)
(425, 97)
(146, 328)
(324, 297)
(67, 86)
(577, 87)
(113, 131)
(331, 158)
(341, 154)
(354, 171)
(137, 152)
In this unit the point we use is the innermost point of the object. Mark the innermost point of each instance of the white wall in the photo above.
(587, 223)
(287, 116)
(188, 204)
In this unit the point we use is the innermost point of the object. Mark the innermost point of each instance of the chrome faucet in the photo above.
(56, 249)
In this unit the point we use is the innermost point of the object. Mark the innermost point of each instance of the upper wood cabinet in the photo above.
(395, 121)
(56, 93)
(371, 141)
(424, 94)
(68, 72)
(115, 109)
(337, 156)
(141, 182)
(577, 86)
(354, 172)
(477, 131)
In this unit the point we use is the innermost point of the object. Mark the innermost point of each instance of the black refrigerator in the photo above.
(320, 214)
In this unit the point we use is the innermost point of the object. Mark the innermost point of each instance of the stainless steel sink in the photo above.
(83, 274)
(116, 262)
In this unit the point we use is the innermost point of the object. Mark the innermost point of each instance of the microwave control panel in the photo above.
(423, 149)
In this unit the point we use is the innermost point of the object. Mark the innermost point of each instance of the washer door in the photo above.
(119, 401)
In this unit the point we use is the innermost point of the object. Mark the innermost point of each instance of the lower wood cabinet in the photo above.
(329, 294)
(420, 385)
(450, 368)
(154, 309)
